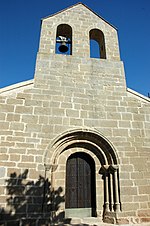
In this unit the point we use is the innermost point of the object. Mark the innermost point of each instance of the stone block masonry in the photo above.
(76, 105)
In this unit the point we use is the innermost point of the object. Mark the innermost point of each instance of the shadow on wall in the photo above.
(31, 202)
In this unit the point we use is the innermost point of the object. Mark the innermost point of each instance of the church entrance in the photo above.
(80, 186)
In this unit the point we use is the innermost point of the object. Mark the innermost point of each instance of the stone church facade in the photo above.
(75, 141)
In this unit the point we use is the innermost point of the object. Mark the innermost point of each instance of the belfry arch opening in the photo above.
(97, 44)
(64, 39)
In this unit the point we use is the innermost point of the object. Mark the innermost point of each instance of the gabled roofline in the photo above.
(16, 86)
(138, 95)
(79, 3)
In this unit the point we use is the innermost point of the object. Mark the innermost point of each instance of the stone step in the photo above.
(103, 224)
(95, 221)
(88, 221)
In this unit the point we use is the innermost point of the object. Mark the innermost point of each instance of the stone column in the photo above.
(53, 212)
(111, 191)
(104, 172)
(114, 169)
(53, 169)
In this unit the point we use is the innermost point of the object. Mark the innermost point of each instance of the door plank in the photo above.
(78, 181)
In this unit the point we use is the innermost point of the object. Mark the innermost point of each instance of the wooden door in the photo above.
(80, 181)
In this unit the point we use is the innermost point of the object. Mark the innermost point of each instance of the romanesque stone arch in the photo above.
(97, 146)
(103, 148)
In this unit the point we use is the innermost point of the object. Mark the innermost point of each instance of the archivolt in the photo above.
(85, 138)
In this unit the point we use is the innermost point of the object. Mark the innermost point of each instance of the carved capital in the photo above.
(113, 168)
(54, 167)
(51, 167)
(104, 169)
(47, 167)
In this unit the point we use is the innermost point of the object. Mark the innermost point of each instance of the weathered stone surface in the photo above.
(76, 104)
(2, 172)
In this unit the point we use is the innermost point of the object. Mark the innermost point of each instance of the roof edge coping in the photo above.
(16, 86)
(79, 3)
(140, 96)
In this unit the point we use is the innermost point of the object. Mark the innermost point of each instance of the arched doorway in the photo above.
(101, 151)
(80, 186)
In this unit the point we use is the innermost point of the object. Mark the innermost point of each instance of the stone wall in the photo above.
(72, 93)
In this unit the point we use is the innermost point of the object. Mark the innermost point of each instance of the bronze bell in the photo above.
(63, 47)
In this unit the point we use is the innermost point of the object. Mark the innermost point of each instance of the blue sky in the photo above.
(20, 31)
